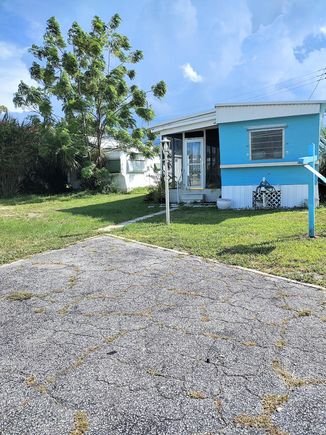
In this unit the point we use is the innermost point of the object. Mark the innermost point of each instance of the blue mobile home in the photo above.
(228, 151)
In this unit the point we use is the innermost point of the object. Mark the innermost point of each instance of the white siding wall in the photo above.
(127, 181)
(251, 111)
(292, 195)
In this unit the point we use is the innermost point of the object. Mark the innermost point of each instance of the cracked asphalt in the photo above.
(114, 337)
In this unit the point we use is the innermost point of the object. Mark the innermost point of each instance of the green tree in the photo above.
(91, 75)
(18, 151)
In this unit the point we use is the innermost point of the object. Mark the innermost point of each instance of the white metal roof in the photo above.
(190, 122)
(236, 112)
(271, 103)
(109, 143)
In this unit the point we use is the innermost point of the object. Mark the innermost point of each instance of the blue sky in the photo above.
(208, 51)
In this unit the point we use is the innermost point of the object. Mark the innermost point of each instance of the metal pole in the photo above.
(167, 192)
(311, 193)
(166, 177)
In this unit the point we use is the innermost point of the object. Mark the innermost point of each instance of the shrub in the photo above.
(98, 179)
(156, 193)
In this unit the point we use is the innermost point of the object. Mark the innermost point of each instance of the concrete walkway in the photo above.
(113, 337)
(110, 228)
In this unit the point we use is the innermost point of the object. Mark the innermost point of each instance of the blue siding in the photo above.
(274, 175)
(300, 131)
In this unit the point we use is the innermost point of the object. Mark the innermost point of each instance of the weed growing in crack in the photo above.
(290, 380)
(214, 336)
(154, 372)
(112, 338)
(280, 344)
(39, 310)
(249, 343)
(218, 405)
(32, 382)
(304, 313)
(196, 395)
(204, 317)
(81, 424)
(20, 296)
(270, 404)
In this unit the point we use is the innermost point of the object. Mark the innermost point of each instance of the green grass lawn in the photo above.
(274, 242)
(31, 224)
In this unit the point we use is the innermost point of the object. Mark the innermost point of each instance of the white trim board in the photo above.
(266, 127)
(258, 165)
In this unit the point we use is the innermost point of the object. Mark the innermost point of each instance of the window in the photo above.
(266, 144)
(114, 166)
(136, 165)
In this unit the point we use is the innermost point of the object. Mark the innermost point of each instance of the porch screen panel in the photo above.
(175, 168)
(266, 144)
(177, 161)
(213, 172)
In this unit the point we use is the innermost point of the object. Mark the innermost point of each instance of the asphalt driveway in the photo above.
(113, 337)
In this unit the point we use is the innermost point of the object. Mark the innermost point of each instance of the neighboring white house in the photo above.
(130, 172)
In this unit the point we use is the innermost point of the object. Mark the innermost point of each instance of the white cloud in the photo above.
(12, 71)
(264, 13)
(228, 34)
(187, 17)
(271, 71)
(190, 74)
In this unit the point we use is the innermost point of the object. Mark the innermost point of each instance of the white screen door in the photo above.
(194, 163)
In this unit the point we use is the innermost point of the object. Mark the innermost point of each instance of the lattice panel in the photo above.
(273, 199)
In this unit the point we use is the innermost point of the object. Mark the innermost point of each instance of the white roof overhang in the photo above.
(187, 123)
(250, 111)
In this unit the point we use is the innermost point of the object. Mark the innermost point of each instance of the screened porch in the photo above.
(194, 165)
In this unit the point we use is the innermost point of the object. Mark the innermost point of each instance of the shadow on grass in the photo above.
(67, 236)
(256, 249)
(213, 216)
(38, 199)
(263, 248)
(114, 212)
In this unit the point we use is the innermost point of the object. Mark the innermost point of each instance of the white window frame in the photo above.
(267, 129)
(139, 157)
